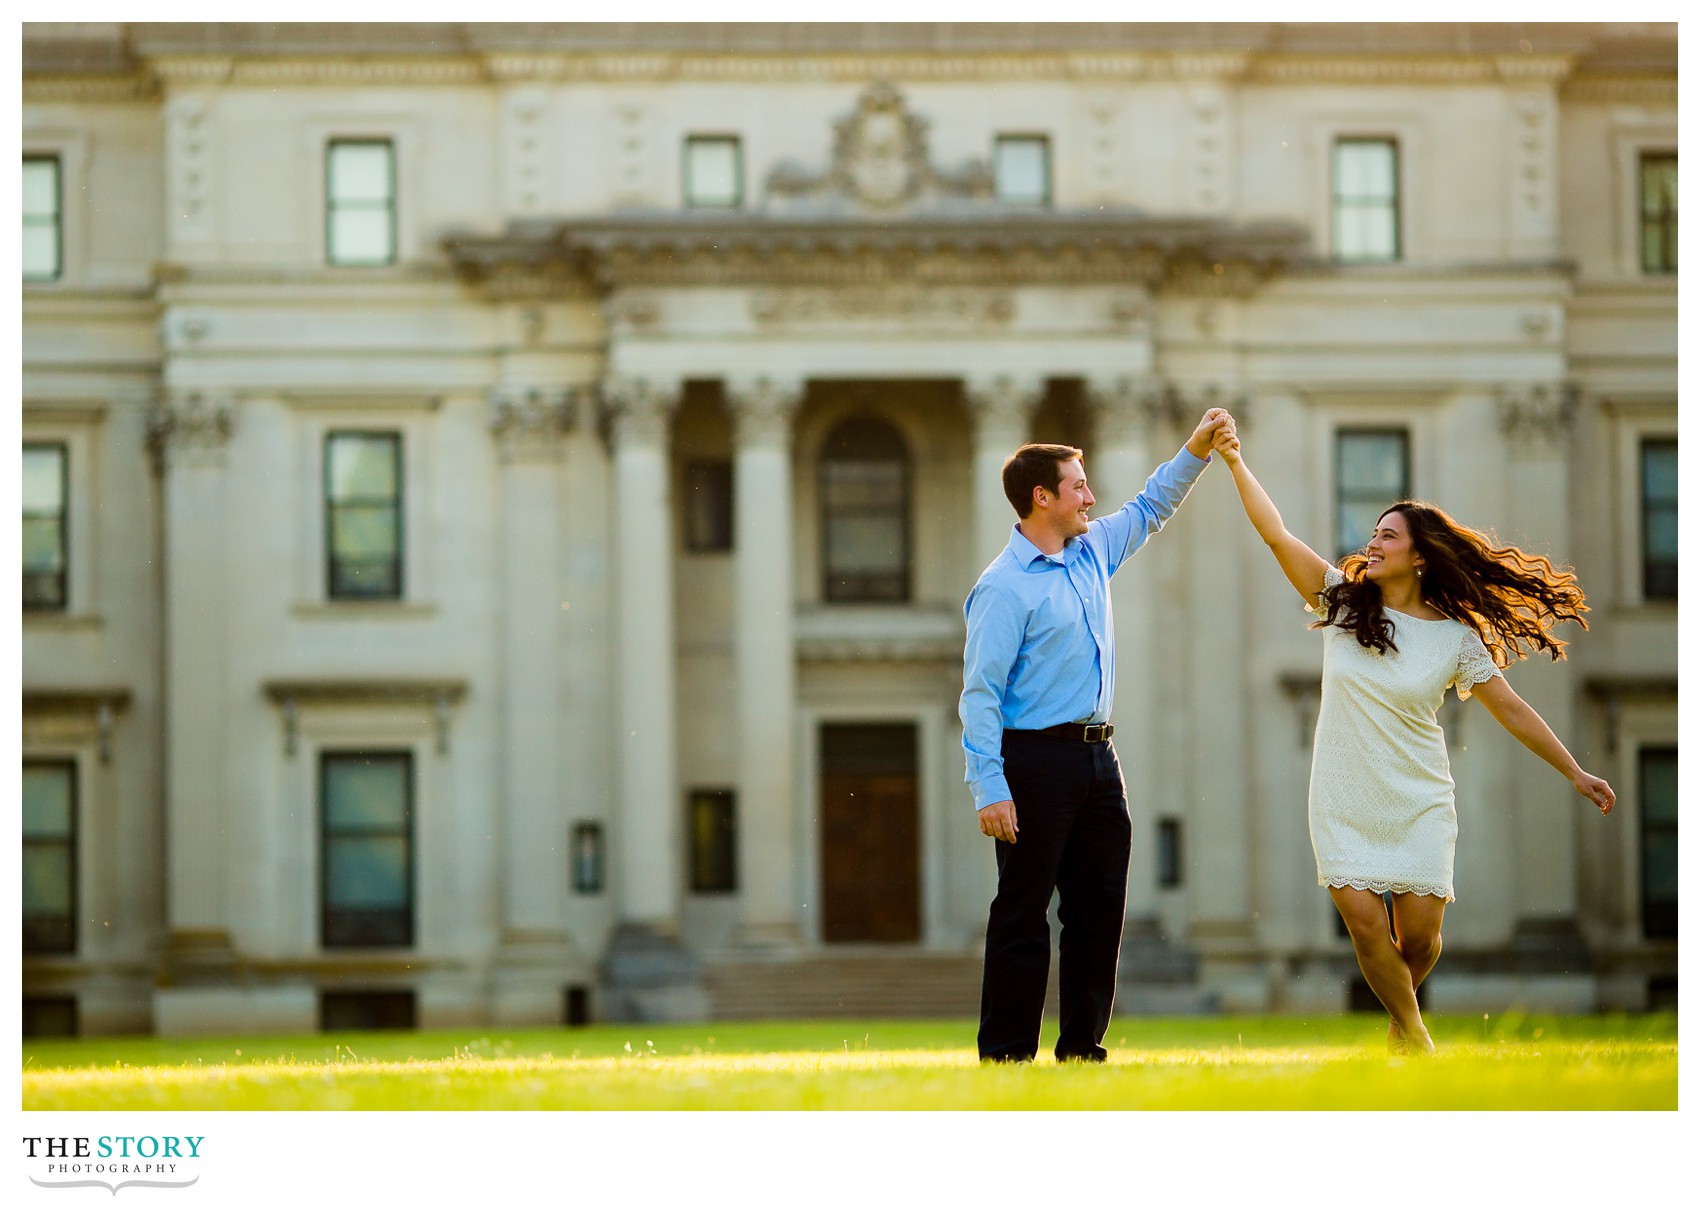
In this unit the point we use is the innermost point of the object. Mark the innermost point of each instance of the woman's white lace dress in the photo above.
(1381, 811)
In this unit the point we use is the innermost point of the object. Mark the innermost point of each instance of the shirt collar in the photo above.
(1025, 552)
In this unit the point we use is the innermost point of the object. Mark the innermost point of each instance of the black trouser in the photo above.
(1073, 837)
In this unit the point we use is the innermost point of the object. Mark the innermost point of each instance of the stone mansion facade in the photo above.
(498, 499)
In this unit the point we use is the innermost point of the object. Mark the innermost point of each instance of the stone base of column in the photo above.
(198, 957)
(769, 936)
(1155, 977)
(648, 976)
(532, 978)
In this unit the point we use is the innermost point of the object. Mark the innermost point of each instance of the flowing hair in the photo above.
(1508, 597)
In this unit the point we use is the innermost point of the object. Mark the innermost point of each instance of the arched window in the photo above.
(864, 491)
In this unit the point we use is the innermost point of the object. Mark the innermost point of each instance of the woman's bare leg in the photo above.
(1382, 964)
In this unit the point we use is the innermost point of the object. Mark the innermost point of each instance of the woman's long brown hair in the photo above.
(1507, 596)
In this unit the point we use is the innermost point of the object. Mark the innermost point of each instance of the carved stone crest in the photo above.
(879, 160)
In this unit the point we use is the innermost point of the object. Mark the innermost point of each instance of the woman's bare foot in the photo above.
(1401, 1042)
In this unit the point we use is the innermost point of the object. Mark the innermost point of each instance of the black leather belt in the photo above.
(1090, 733)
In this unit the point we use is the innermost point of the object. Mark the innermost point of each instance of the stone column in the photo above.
(189, 435)
(1536, 421)
(1126, 411)
(529, 428)
(1002, 407)
(766, 657)
(649, 976)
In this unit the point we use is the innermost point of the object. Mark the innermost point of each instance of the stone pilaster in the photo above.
(188, 436)
(768, 824)
(1537, 421)
(530, 426)
(1002, 407)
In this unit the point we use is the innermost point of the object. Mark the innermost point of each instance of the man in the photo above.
(1038, 681)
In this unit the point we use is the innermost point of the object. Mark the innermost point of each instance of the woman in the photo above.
(1426, 605)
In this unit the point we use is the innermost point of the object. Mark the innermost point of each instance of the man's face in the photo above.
(1066, 507)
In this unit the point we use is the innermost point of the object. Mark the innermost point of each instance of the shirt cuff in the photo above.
(1191, 461)
(992, 791)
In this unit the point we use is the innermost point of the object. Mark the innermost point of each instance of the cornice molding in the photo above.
(989, 245)
(1621, 90)
(90, 90)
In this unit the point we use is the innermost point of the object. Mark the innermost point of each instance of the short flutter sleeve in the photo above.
(1331, 577)
(1474, 664)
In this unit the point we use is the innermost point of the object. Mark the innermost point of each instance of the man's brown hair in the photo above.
(1035, 465)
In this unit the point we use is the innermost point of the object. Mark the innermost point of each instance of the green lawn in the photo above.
(1507, 1062)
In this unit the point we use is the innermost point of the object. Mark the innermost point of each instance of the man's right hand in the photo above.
(998, 820)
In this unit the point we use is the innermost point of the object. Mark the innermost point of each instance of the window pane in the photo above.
(1373, 463)
(1022, 169)
(361, 172)
(708, 506)
(1658, 471)
(363, 532)
(41, 546)
(47, 801)
(40, 251)
(866, 544)
(43, 483)
(363, 465)
(366, 873)
(711, 172)
(366, 793)
(863, 485)
(47, 878)
(361, 237)
(41, 189)
(1364, 169)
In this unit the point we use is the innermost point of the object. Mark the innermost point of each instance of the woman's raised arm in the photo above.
(1304, 568)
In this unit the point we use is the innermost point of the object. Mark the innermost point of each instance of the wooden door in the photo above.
(870, 840)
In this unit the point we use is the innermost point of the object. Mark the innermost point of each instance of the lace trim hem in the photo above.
(1440, 890)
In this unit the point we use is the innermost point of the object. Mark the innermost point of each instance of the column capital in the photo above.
(1536, 418)
(1000, 402)
(532, 420)
(762, 408)
(640, 408)
(191, 422)
(1130, 407)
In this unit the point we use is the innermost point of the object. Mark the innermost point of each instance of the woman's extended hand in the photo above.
(1227, 444)
(1596, 789)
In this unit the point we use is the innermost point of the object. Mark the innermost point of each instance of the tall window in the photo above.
(360, 202)
(708, 505)
(49, 813)
(865, 505)
(714, 171)
(43, 251)
(363, 515)
(1168, 852)
(1021, 169)
(1658, 519)
(1658, 212)
(714, 841)
(43, 491)
(366, 849)
(1366, 200)
(1372, 470)
(1658, 841)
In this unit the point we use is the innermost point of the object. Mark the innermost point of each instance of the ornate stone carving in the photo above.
(934, 307)
(525, 149)
(189, 140)
(880, 161)
(1536, 418)
(532, 420)
(639, 409)
(1002, 403)
(762, 409)
(190, 421)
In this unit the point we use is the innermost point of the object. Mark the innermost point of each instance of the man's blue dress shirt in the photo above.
(1041, 641)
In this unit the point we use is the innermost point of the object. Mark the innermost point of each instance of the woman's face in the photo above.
(1392, 555)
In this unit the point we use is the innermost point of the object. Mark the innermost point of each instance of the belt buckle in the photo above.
(1092, 733)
